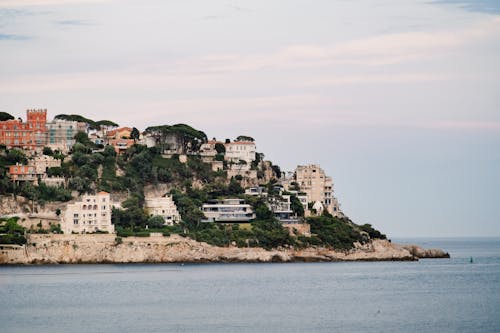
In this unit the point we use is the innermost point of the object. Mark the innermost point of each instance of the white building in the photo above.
(228, 211)
(240, 151)
(164, 207)
(92, 213)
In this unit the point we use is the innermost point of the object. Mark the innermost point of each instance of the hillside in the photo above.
(188, 175)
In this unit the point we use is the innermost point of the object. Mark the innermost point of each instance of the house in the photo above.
(121, 145)
(89, 215)
(28, 135)
(24, 173)
(147, 140)
(228, 211)
(36, 170)
(281, 208)
(258, 191)
(44, 162)
(164, 207)
(208, 151)
(240, 151)
(119, 133)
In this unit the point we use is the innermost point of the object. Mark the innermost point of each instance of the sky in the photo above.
(397, 100)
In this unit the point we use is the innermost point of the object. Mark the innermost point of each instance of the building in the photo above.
(28, 135)
(228, 211)
(89, 215)
(61, 134)
(317, 186)
(121, 145)
(208, 151)
(258, 191)
(23, 173)
(119, 133)
(240, 151)
(147, 140)
(281, 208)
(44, 162)
(36, 170)
(164, 207)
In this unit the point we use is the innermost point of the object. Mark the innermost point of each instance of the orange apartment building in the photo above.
(26, 135)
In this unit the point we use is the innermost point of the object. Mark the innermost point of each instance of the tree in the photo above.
(296, 206)
(245, 138)
(81, 137)
(135, 134)
(220, 148)
(186, 137)
(156, 221)
(5, 116)
(48, 151)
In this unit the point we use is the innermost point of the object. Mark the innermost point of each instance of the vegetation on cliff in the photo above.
(90, 168)
(11, 232)
(91, 123)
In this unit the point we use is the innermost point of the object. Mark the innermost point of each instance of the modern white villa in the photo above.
(228, 211)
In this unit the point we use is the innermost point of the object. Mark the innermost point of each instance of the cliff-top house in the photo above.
(92, 213)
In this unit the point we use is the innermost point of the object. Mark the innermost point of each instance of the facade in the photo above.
(23, 173)
(121, 145)
(28, 135)
(36, 170)
(61, 133)
(147, 140)
(208, 151)
(317, 186)
(43, 162)
(257, 191)
(228, 211)
(281, 208)
(92, 213)
(240, 151)
(119, 133)
(164, 207)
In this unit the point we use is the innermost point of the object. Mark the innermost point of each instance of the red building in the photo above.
(23, 172)
(26, 135)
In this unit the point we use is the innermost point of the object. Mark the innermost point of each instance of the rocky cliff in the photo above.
(69, 249)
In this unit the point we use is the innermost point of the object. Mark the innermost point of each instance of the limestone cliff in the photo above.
(69, 249)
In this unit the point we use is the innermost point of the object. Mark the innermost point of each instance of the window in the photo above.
(75, 221)
(75, 215)
(103, 207)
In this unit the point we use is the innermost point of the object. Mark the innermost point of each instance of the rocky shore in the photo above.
(73, 249)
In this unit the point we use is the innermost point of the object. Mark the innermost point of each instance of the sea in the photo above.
(460, 294)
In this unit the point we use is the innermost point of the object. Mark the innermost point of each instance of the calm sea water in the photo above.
(434, 295)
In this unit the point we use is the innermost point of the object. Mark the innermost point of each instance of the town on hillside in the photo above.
(74, 175)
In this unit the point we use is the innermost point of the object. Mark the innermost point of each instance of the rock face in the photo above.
(69, 249)
(420, 252)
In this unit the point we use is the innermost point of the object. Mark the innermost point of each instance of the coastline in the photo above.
(104, 248)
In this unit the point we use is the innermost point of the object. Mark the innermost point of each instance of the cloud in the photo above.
(73, 23)
(26, 3)
(472, 125)
(13, 37)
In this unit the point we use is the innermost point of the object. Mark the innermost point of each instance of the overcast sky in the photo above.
(398, 100)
